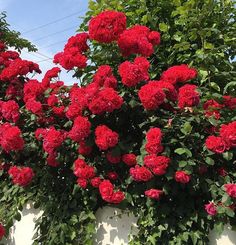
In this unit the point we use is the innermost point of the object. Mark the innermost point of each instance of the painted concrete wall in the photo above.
(113, 228)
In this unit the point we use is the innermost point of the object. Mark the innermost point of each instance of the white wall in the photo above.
(113, 228)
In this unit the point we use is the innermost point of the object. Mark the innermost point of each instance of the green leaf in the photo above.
(215, 86)
(228, 155)
(187, 128)
(230, 212)
(208, 45)
(210, 161)
(181, 151)
(182, 164)
(163, 27)
(219, 227)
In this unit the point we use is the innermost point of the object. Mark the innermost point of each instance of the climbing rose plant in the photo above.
(163, 149)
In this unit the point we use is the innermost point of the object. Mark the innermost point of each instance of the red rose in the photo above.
(106, 190)
(153, 145)
(82, 170)
(211, 108)
(105, 137)
(104, 77)
(2, 231)
(95, 182)
(80, 129)
(216, 144)
(151, 96)
(231, 190)
(138, 40)
(140, 174)
(129, 159)
(107, 26)
(153, 193)
(52, 140)
(21, 176)
(229, 102)
(10, 110)
(112, 175)
(52, 160)
(179, 74)
(84, 149)
(117, 197)
(10, 138)
(82, 183)
(188, 96)
(74, 110)
(107, 100)
(211, 208)
(134, 73)
(34, 106)
(222, 172)
(182, 177)
(228, 133)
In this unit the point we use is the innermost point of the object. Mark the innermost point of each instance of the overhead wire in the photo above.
(52, 34)
(39, 57)
(53, 44)
(52, 22)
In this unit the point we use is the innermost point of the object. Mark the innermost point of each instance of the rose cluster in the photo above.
(225, 141)
(117, 125)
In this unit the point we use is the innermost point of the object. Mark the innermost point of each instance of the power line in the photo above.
(52, 22)
(43, 60)
(54, 44)
(52, 34)
(39, 57)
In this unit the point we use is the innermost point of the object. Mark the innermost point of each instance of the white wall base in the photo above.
(113, 228)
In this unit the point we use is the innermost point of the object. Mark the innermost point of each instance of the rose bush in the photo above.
(118, 137)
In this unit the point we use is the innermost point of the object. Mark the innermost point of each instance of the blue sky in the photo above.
(26, 15)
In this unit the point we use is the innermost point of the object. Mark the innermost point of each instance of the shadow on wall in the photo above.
(22, 231)
(114, 226)
(228, 237)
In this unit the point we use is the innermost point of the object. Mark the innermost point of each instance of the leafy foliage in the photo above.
(11, 37)
(197, 33)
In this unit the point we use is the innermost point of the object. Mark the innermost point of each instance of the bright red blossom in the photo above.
(107, 100)
(129, 159)
(106, 190)
(158, 164)
(182, 177)
(21, 176)
(10, 138)
(153, 193)
(2, 231)
(228, 133)
(231, 190)
(9, 110)
(179, 74)
(80, 129)
(151, 96)
(138, 40)
(95, 182)
(216, 144)
(211, 208)
(140, 174)
(105, 137)
(104, 77)
(153, 145)
(188, 96)
(107, 26)
(134, 73)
